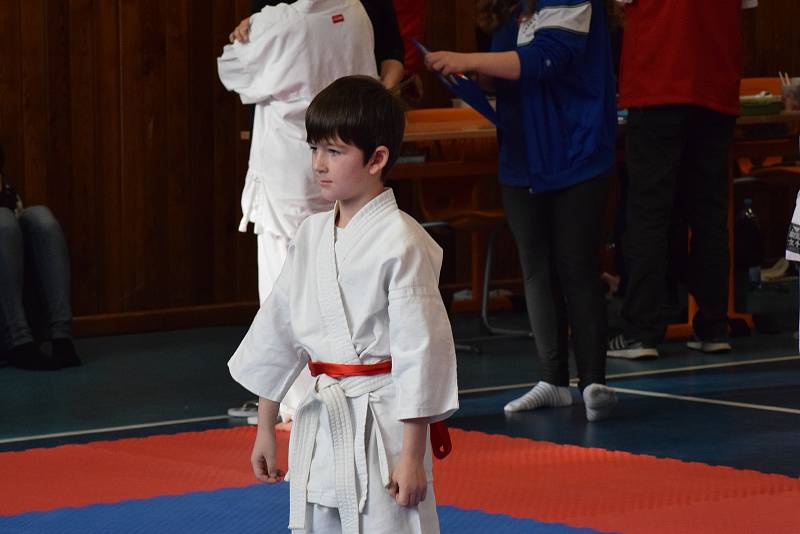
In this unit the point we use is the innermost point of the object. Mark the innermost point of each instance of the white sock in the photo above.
(543, 395)
(599, 401)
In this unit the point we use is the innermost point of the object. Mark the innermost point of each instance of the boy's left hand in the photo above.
(408, 483)
(448, 62)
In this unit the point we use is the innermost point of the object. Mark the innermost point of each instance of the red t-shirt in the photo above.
(411, 20)
(682, 52)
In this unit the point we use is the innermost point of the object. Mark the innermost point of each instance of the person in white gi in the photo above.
(293, 52)
(359, 287)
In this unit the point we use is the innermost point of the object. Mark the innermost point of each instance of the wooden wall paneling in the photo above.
(83, 199)
(112, 243)
(450, 25)
(34, 112)
(775, 41)
(246, 249)
(204, 159)
(246, 274)
(10, 96)
(227, 183)
(183, 264)
(144, 172)
(59, 135)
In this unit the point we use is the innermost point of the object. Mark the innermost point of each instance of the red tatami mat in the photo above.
(140, 468)
(612, 491)
(604, 490)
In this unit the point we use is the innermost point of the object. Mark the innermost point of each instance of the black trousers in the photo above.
(677, 160)
(558, 235)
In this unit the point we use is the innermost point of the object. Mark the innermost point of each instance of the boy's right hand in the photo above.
(242, 32)
(263, 457)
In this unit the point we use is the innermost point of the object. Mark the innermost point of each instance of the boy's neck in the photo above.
(347, 208)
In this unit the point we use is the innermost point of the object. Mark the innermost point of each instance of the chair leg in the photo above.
(487, 275)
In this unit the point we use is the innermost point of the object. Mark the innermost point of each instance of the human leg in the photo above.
(12, 311)
(48, 257)
(578, 222)
(654, 147)
(706, 168)
(17, 338)
(577, 239)
(529, 219)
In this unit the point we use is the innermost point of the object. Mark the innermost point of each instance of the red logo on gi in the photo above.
(337, 18)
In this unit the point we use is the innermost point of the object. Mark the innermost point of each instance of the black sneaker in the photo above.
(709, 346)
(64, 353)
(630, 349)
(28, 356)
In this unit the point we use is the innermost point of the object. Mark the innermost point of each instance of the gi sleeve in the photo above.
(262, 67)
(268, 360)
(421, 340)
(560, 36)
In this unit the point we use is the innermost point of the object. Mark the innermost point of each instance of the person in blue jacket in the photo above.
(551, 65)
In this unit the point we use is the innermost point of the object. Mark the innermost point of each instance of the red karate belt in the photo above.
(440, 435)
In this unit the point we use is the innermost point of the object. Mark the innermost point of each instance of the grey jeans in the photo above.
(34, 278)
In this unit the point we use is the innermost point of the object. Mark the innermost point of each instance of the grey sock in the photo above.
(599, 401)
(543, 395)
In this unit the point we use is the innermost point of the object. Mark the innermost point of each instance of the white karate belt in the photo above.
(350, 462)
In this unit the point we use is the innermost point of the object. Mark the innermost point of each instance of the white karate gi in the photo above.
(370, 296)
(294, 52)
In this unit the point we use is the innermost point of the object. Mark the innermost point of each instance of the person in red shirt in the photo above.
(679, 78)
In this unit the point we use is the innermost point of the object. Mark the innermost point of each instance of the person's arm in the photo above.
(389, 49)
(241, 32)
(561, 36)
(409, 483)
(263, 456)
(391, 73)
(495, 64)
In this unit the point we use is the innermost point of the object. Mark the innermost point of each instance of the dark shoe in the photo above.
(64, 353)
(28, 356)
(630, 349)
(709, 346)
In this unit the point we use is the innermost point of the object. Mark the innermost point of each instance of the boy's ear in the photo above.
(378, 160)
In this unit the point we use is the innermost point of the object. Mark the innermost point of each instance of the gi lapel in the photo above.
(363, 222)
(330, 300)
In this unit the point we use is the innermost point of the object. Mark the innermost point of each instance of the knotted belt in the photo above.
(340, 381)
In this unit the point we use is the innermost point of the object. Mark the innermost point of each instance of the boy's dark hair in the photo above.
(361, 112)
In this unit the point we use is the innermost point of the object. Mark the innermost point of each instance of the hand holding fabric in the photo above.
(242, 32)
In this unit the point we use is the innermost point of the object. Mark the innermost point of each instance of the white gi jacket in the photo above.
(382, 302)
(294, 52)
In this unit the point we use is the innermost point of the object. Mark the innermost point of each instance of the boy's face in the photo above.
(340, 171)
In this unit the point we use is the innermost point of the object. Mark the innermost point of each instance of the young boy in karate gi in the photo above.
(293, 52)
(357, 301)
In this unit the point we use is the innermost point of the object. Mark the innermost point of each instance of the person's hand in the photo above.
(263, 457)
(242, 32)
(448, 62)
(408, 483)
